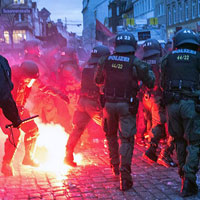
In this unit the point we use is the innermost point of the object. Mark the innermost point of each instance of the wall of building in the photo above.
(25, 26)
(143, 9)
(160, 12)
(182, 14)
(93, 10)
(101, 11)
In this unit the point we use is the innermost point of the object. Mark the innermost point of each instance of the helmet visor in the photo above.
(124, 49)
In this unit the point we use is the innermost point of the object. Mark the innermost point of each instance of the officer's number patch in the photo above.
(183, 57)
(124, 37)
(117, 66)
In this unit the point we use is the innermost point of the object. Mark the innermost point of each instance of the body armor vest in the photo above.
(88, 86)
(120, 82)
(182, 70)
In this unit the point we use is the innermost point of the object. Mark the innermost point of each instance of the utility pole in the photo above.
(66, 23)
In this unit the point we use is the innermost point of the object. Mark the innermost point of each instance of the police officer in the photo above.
(23, 78)
(89, 107)
(119, 73)
(154, 112)
(180, 71)
(7, 103)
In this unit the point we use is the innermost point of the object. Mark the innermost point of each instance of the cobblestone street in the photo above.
(94, 180)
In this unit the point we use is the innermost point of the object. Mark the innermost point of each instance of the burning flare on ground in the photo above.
(50, 151)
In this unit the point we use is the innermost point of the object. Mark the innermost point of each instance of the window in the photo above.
(153, 4)
(142, 6)
(161, 9)
(193, 8)
(186, 11)
(145, 5)
(136, 9)
(199, 7)
(110, 12)
(180, 15)
(174, 14)
(19, 17)
(148, 8)
(169, 16)
(19, 35)
(117, 10)
(18, 1)
(6, 36)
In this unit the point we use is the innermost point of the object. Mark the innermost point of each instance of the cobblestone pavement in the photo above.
(93, 180)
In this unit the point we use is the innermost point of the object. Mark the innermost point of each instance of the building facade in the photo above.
(116, 9)
(93, 10)
(160, 12)
(182, 14)
(149, 19)
(144, 9)
(19, 21)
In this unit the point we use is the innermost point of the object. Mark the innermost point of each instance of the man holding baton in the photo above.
(23, 78)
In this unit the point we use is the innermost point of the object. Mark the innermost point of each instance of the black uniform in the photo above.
(119, 73)
(154, 111)
(180, 81)
(7, 103)
(88, 107)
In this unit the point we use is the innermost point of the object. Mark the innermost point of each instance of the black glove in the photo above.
(17, 123)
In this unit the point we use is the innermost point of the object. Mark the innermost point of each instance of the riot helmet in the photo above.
(97, 53)
(186, 36)
(29, 69)
(151, 47)
(125, 42)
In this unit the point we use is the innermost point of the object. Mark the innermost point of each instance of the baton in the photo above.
(23, 121)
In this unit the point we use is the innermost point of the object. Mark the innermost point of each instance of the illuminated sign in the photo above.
(16, 11)
(144, 35)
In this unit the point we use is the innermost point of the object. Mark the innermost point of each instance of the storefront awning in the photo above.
(102, 32)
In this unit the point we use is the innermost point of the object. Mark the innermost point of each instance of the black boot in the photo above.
(188, 188)
(126, 181)
(115, 169)
(150, 153)
(165, 159)
(69, 159)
